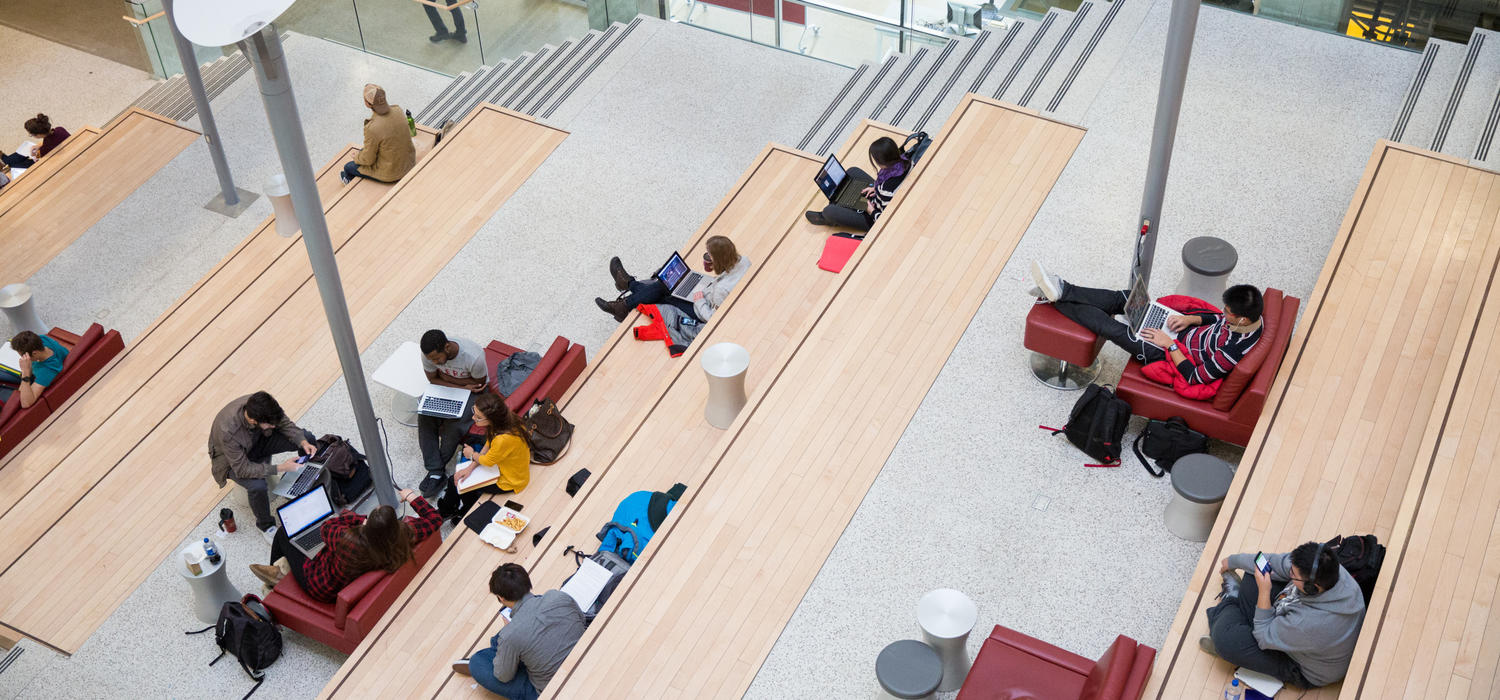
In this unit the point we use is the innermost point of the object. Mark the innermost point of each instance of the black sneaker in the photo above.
(461, 37)
(440, 36)
(816, 218)
(432, 486)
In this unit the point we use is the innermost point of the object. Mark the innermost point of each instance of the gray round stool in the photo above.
(1207, 262)
(1199, 484)
(908, 670)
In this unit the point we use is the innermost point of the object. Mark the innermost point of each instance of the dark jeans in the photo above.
(439, 438)
(16, 160)
(281, 546)
(482, 668)
(261, 451)
(654, 291)
(351, 169)
(437, 19)
(846, 217)
(1231, 624)
(1095, 309)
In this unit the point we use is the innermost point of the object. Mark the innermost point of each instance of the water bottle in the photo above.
(411, 124)
(1233, 691)
(213, 558)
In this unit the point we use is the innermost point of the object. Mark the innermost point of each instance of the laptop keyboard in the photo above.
(1156, 317)
(310, 537)
(437, 404)
(690, 282)
(306, 480)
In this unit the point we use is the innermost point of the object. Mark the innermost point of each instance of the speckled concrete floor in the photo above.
(30, 69)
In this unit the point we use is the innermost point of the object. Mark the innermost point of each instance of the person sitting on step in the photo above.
(721, 256)
(353, 544)
(892, 166)
(1303, 634)
(48, 137)
(242, 439)
(1217, 342)
(525, 654)
(504, 448)
(42, 360)
(388, 152)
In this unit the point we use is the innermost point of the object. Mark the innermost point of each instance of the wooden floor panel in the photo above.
(1356, 407)
(764, 310)
(47, 167)
(697, 614)
(63, 575)
(55, 207)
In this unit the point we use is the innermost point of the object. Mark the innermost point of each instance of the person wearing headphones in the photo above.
(1303, 633)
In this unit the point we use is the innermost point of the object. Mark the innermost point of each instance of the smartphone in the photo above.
(514, 506)
(1262, 563)
(505, 613)
(302, 459)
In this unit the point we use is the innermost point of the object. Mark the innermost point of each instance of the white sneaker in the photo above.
(270, 533)
(1050, 286)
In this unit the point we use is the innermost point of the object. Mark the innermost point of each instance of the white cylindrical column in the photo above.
(725, 364)
(280, 194)
(19, 306)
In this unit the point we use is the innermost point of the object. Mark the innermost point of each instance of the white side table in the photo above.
(17, 303)
(211, 589)
(725, 364)
(402, 374)
(946, 617)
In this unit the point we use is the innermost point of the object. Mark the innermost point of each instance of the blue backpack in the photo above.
(624, 537)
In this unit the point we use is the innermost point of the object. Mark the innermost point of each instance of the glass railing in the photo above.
(837, 33)
(150, 22)
(1406, 24)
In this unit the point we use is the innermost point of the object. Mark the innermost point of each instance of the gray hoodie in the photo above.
(1318, 631)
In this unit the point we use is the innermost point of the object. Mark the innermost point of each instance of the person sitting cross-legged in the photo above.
(528, 650)
(456, 362)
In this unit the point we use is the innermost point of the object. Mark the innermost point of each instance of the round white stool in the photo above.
(725, 364)
(211, 589)
(946, 617)
(908, 670)
(16, 302)
(1207, 262)
(1199, 484)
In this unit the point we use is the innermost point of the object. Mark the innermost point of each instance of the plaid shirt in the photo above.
(329, 571)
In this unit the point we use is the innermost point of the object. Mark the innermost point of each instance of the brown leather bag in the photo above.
(547, 432)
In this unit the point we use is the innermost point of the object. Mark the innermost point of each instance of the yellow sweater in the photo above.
(511, 455)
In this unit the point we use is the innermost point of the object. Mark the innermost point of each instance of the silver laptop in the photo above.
(301, 480)
(444, 401)
(302, 519)
(1142, 312)
(680, 278)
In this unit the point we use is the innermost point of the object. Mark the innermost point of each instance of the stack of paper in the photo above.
(1260, 682)
(586, 585)
(481, 476)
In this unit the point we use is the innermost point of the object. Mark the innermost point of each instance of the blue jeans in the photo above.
(351, 171)
(482, 668)
(654, 291)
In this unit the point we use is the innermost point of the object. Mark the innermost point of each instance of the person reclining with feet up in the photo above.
(1303, 634)
(240, 443)
(353, 545)
(527, 651)
(721, 256)
(1217, 342)
(458, 362)
(504, 448)
(892, 166)
(41, 361)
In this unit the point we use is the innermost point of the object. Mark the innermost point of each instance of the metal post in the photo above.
(1180, 30)
(230, 203)
(264, 50)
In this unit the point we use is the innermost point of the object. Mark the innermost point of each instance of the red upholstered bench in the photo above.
(1013, 665)
(88, 354)
(1063, 352)
(560, 366)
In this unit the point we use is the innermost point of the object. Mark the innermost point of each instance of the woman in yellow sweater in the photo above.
(504, 448)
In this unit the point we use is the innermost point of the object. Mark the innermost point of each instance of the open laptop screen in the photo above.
(305, 510)
(831, 176)
(673, 272)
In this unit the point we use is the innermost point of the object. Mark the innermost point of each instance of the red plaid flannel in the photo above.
(329, 571)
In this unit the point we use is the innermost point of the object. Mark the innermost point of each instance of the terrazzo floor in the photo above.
(31, 67)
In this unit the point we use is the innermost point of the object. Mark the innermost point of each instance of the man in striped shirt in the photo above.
(1214, 343)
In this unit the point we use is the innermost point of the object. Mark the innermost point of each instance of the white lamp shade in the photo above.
(219, 23)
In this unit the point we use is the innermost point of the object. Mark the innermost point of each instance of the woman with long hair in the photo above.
(891, 167)
(504, 448)
(720, 259)
(353, 545)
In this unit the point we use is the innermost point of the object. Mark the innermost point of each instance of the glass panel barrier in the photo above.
(835, 36)
(444, 35)
(149, 21)
(730, 17)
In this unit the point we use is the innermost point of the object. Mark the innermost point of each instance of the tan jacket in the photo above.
(388, 152)
(231, 437)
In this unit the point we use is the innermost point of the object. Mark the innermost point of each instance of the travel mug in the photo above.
(226, 520)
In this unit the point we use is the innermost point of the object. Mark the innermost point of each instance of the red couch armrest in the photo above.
(1140, 672)
(351, 595)
(520, 399)
(567, 372)
(361, 618)
(1052, 654)
(86, 341)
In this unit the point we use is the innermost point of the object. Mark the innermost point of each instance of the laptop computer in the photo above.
(839, 187)
(441, 401)
(302, 519)
(680, 278)
(1142, 312)
(303, 478)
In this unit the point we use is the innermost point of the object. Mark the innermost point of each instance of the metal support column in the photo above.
(264, 50)
(231, 200)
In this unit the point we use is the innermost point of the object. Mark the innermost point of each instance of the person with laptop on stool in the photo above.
(351, 545)
(456, 362)
(241, 441)
(525, 654)
(504, 448)
(1217, 341)
(701, 304)
(892, 167)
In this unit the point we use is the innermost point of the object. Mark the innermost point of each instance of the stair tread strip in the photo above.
(525, 70)
(426, 111)
(537, 70)
(465, 93)
(1482, 151)
(927, 78)
(864, 96)
(1414, 91)
(1036, 39)
(1476, 45)
(604, 40)
(963, 64)
(568, 59)
(833, 105)
(1083, 58)
(1062, 43)
(597, 60)
(989, 66)
(581, 53)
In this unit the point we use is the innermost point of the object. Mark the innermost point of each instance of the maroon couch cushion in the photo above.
(1055, 335)
(1012, 666)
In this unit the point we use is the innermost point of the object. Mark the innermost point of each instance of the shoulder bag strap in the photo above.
(1158, 473)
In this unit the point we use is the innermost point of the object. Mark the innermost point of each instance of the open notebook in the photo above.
(481, 476)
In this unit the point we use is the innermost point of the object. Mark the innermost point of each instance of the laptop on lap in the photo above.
(680, 278)
(1142, 312)
(441, 401)
(302, 519)
(839, 187)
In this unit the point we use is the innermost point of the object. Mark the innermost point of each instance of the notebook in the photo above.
(10, 360)
(1259, 682)
(837, 250)
(479, 478)
(586, 585)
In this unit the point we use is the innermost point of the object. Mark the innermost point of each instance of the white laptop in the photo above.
(441, 401)
(302, 519)
(1142, 312)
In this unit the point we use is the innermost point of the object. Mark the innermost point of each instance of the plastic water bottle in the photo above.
(213, 558)
(411, 124)
(1233, 691)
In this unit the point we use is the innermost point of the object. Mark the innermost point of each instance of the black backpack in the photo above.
(250, 633)
(1097, 424)
(1361, 556)
(915, 146)
(1166, 441)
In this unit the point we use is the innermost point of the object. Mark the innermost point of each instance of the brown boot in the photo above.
(270, 575)
(617, 271)
(618, 308)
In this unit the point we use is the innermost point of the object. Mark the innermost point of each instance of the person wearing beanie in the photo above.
(388, 152)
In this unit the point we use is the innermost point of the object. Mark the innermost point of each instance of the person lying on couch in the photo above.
(1215, 342)
(1304, 633)
(525, 654)
(41, 362)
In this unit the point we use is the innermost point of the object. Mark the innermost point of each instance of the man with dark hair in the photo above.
(241, 441)
(1214, 343)
(448, 362)
(527, 651)
(1303, 633)
(41, 361)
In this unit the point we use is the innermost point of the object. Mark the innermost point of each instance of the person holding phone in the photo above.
(1295, 616)
(721, 259)
(891, 168)
(539, 633)
(242, 439)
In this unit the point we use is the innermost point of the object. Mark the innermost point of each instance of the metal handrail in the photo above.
(871, 18)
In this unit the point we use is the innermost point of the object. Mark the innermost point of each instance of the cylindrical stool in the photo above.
(947, 616)
(725, 364)
(211, 589)
(1199, 484)
(907, 669)
(404, 408)
(282, 211)
(1207, 262)
(16, 302)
